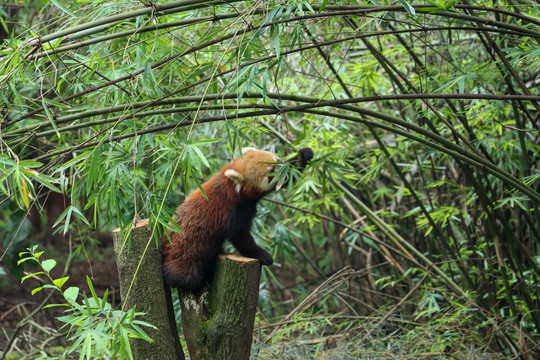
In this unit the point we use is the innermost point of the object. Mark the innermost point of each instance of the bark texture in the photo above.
(218, 322)
(148, 294)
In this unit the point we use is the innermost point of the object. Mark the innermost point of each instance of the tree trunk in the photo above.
(218, 322)
(148, 293)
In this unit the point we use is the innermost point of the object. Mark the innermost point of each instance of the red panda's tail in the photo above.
(192, 279)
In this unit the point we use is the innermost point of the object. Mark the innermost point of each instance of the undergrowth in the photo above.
(309, 336)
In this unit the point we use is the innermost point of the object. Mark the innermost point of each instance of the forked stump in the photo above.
(148, 293)
(218, 322)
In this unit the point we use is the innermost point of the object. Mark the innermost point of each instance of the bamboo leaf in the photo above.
(410, 10)
(62, 7)
(50, 116)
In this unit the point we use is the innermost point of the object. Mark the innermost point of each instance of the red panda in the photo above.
(227, 213)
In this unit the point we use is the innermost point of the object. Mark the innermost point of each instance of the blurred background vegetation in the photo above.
(412, 234)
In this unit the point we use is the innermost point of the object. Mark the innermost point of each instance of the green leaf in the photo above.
(30, 275)
(60, 282)
(7, 161)
(54, 305)
(25, 259)
(143, 323)
(23, 186)
(149, 78)
(45, 180)
(38, 289)
(408, 7)
(207, 141)
(87, 304)
(30, 164)
(277, 46)
(323, 5)
(126, 344)
(73, 162)
(15, 92)
(200, 155)
(67, 215)
(50, 116)
(450, 4)
(138, 333)
(91, 287)
(48, 265)
(81, 216)
(87, 346)
(71, 294)
(439, 6)
(93, 171)
(62, 7)
(105, 294)
(3, 179)
(432, 2)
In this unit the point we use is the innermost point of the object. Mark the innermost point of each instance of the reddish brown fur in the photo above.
(201, 219)
(190, 256)
(227, 213)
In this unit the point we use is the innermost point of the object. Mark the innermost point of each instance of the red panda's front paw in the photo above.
(265, 258)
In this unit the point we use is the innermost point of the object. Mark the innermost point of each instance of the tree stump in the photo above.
(148, 293)
(218, 322)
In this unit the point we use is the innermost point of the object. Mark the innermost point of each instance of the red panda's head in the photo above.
(252, 172)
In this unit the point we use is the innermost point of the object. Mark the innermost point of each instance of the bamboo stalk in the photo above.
(110, 20)
(440, 143)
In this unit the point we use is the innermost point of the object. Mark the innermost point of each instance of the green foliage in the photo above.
(423, 117)
(19, 176)
(96, 330)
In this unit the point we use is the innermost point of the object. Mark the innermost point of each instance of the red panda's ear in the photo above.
(246, 149)
(235, 177)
